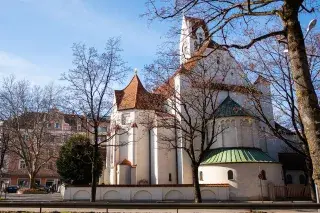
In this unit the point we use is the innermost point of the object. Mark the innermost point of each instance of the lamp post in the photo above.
(311, 25)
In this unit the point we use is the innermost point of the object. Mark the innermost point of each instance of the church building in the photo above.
(244, 155)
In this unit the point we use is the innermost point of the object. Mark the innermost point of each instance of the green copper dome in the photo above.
(237, 155)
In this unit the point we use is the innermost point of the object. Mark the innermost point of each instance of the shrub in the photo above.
(31, 191)
(74, 163)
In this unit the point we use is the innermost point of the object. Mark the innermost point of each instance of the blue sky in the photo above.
(36, 35)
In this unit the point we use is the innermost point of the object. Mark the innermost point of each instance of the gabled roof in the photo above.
(135, 96)
(237, 155)
(229, 108)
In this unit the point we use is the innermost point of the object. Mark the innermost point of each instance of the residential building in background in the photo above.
(60, 127)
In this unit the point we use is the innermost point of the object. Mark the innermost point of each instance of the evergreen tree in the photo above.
(75, 161)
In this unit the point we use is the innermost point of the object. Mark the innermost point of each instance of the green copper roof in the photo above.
(229, 108)
(237, 155)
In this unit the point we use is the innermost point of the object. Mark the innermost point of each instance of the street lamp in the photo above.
(311, 25)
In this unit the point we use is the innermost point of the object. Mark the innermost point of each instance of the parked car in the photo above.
(12, 189)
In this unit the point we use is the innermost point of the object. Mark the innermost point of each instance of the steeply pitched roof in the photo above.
(237, 155)
(229, 108)
(135, 96)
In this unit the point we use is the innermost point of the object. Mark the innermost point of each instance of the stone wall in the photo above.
(145, 193)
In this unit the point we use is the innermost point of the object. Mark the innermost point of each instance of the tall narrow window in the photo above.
(263, 175)
(302, 179)
(201, 176)
(170, 178)
(125, 119)
(288, 179)
(230, 175)
(218, 59)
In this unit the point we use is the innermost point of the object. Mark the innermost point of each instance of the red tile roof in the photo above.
(135, 96)
(126, 162)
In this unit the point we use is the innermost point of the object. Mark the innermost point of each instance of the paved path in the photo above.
(33, 197)
(155, 211)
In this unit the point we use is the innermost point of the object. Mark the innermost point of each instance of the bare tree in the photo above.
(253, 21)
(4, 147)
(188, 119)
(89, 90)
(27, 112)
(272, 65)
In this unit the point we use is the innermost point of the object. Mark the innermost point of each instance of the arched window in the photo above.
(201, 176)
(289, 179)
(263, 175)
(230, 175)
(302, 179)
(196, 45)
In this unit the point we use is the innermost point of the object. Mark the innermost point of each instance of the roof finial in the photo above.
(228, 93)
(135, 71)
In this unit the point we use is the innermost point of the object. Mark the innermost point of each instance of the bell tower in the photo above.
(193, 33)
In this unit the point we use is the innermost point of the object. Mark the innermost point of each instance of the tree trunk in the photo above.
(94, 166)
(310, 180)
(307, 100)
(196, 185)
(32, 179)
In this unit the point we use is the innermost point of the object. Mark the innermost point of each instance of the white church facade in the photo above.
(239, 155)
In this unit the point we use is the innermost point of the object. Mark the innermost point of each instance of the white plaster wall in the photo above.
(154, 157)
(246, 184)
(295, 174)
(166, 157)
(123, 174)
(142, 144)
(185, 41)
(145, 193)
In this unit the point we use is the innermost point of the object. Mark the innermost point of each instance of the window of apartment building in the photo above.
(79, 127)
(37, 181)
(50, 165)
(22, 164)
(57, 125)
(125, 118)
(50, 152)
(170, 177)
(5, 164)
(23, 182)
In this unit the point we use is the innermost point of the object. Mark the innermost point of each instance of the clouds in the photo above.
(37, 35)
(22, 68)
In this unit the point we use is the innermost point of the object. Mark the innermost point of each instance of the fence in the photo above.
(168, 206)
(292, 192)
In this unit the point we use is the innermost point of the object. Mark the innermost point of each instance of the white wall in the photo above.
(295, 174)
(246, 184)
(145, 193)
(163, 157)
(123, 174)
